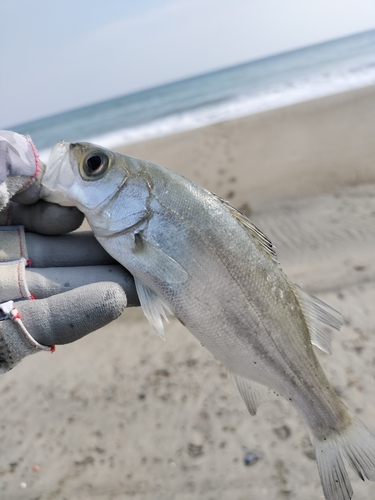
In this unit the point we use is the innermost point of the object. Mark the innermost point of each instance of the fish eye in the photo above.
(95, 165)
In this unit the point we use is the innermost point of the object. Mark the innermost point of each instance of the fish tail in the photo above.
(357, 445)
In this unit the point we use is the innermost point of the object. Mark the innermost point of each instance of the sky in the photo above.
(63, 54)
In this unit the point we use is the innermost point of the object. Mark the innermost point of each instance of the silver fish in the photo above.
(195, 256)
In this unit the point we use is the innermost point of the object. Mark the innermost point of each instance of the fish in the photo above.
(195, 256)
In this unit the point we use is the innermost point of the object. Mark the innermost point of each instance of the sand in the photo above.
(121, 414)
(264, 160)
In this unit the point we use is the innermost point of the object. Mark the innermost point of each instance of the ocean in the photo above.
(296, 76)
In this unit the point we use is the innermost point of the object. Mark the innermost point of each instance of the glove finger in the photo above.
(76, 249)
(46, 218)
(49, 281)
(69, 316)
(32, 193)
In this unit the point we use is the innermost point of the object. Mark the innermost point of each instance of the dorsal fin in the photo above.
(317, 314)
(153, 306)
(251, 228)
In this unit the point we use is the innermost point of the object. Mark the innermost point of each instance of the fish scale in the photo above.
(194, 255)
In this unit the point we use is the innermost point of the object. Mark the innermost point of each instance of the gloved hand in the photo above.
(76, 285)
(21, 172)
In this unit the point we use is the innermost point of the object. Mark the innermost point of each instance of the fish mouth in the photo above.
(59, 176)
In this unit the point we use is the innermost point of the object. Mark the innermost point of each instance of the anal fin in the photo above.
(251, 392)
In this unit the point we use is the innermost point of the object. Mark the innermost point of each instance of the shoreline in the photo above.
(121, 414)
(297, 151)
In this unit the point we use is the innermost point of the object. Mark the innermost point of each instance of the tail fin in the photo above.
(357, 445)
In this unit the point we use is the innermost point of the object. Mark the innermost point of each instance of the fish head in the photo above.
(110, 188)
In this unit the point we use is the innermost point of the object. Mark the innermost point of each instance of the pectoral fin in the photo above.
(153, 307)
(159, 264)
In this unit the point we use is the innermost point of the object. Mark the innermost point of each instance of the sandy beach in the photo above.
(121, 414)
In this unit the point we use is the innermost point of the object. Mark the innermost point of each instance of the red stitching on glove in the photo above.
(19, 280)
(36, 156)
(16, 314)
(20, 242)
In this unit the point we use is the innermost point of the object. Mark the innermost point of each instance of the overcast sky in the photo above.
(59, 55)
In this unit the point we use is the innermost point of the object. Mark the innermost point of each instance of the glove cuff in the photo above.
(13, 259)
(13, 346)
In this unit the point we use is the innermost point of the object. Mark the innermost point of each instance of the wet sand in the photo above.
(121, 414)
